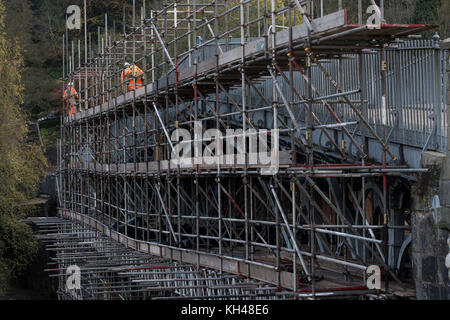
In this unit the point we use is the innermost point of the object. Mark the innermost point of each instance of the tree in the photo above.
(426, 11)
(21, 163)
(40, 56)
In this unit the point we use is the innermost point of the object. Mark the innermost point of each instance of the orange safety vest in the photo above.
(71, 95)
(127, 74)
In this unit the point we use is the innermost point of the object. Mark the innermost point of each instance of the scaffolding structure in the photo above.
(313, 225)
(111, 271)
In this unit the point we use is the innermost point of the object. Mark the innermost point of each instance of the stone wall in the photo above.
(429, 242)
(430, 227)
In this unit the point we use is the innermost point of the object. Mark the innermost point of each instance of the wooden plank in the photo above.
(207, 66)
(185, 74)
(229, 56)
(153, 166)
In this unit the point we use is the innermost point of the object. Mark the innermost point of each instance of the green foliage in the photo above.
(50, 133)
(17, 249)
(426, 10)
(21, 163)
(40, 55)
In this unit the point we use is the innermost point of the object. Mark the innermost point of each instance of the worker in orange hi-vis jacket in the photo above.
(134, 76)
(71, 96)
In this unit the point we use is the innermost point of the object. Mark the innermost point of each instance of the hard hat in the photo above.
(126, 64)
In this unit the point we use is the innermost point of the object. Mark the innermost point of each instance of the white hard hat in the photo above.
(126, 64)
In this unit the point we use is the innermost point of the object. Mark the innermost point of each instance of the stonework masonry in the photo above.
(431, 226)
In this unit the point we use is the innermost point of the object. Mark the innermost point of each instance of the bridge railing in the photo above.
(416, 108)
(416, 97)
